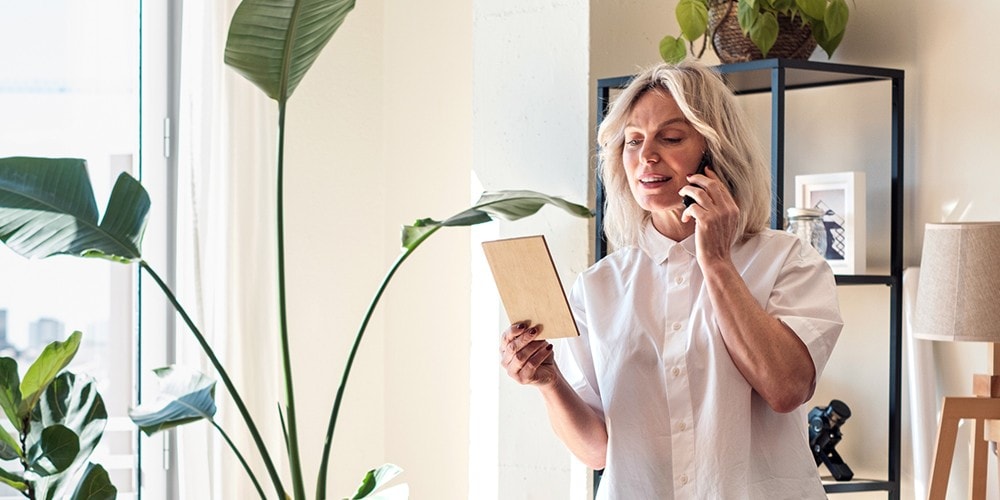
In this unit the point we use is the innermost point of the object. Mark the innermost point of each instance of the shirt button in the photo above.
(683, 479)
(675, 371)
(676, 326)
(682, 426)
(679, 280)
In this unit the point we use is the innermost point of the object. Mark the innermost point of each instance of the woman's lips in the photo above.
(653, 181)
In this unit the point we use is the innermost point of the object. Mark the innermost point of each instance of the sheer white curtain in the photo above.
(227, 273)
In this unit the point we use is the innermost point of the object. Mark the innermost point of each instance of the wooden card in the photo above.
(529, 285)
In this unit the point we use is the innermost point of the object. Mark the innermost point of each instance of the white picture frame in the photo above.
(841, 196)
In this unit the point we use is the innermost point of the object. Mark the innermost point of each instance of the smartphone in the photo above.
(706, 159)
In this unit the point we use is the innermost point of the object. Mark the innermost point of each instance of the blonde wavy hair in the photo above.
(710, 107)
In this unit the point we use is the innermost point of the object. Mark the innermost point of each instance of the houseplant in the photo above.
(59, 418)
(47, 207)
(761, 22)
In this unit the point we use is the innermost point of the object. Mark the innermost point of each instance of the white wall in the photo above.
(427, 151)
(335, 206)
(530, 101)
(405, 101)
(380, 135)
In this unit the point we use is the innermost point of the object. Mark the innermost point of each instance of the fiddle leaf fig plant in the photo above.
(47, 207)
(758, 19)
(58, 419)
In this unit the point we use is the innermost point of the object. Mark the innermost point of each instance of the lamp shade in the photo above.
(958, 297)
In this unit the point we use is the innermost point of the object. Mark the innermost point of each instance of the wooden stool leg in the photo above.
(941, 468)
(979, 460)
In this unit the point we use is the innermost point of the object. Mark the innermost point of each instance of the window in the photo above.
(71, 87)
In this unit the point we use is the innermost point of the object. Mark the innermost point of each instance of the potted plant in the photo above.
(47, 207)
(743, 30)
(58, 418)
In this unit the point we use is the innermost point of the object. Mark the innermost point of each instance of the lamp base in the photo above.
(985, 409)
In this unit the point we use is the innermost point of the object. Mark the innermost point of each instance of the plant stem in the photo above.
(256, 484)
(294, 462)
(328, 442)
(225, 380)
(25, 429)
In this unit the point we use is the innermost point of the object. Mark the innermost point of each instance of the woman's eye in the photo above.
(632, 142)
(672, 140)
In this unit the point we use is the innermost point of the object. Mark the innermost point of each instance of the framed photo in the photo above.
(841, 196)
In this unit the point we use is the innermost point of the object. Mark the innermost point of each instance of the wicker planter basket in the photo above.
(795, 40)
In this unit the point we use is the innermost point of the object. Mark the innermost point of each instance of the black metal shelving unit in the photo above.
(778, 76)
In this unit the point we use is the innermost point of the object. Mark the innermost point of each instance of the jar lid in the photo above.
(796, 212)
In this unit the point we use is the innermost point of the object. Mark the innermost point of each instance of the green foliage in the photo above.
(693, 18)
(95, 485)
(758, 20)
(43, 371)
(508, 205)
(10, 397)
(47, 207)
(375, 479)
(60, 421)
(53, 451)
(273, 43)
(185, 396)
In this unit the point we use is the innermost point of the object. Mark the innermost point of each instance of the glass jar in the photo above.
(807, 224)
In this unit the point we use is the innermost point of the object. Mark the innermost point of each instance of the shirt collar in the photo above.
(658, 246)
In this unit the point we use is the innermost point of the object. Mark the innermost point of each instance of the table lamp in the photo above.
(958, 299)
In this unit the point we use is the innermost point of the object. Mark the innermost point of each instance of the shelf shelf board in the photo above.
(865, 279)
(855, 485)
(755, 76)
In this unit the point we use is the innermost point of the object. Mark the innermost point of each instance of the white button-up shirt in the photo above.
(682, 421)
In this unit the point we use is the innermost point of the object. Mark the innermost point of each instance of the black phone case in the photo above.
(705, 160)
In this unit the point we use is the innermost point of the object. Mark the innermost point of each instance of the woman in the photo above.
(704, 333)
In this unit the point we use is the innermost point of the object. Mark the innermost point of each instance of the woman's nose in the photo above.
(649, 153)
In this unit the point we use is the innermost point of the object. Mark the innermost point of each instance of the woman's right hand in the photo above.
(528, 361)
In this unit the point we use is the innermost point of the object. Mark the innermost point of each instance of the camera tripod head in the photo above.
(824, 434)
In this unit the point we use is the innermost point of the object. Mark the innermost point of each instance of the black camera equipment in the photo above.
(824, 434)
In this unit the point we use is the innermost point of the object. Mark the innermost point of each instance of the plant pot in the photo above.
(795, 40)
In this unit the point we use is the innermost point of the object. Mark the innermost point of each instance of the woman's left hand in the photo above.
(716, 214)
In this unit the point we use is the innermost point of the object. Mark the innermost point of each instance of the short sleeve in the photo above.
(574, 356)
(804, 298)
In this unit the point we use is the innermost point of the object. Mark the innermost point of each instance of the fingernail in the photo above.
(548, 347)
(533, 331)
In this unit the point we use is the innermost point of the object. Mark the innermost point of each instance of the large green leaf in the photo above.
(43, 371)
(835, 18)
(692, 15)
(815, 9)
(273, 43)
(9, 447)
(672, 49)
(509, 205)
(95, 485)
(73, 402)
(375, 479)
(185, 396)
(10, 390)
(47, 207)
(825, 40)
(764, 32)
(54, 451)
(13, 480)
(747, 15)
